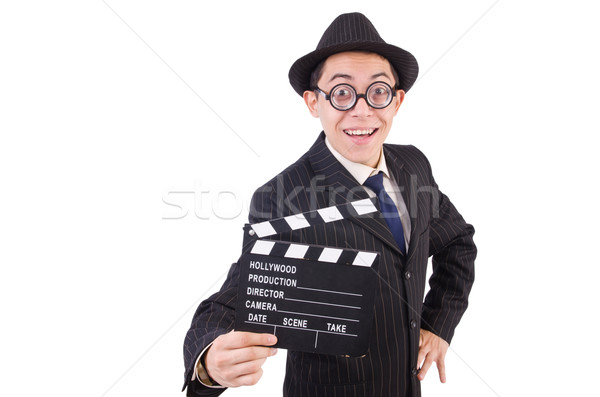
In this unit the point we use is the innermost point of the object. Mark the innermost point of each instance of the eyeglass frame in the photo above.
(358, 96)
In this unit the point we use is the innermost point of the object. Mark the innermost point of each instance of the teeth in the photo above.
(360, 132)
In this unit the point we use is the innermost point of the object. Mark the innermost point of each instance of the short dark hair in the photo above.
(317, 73)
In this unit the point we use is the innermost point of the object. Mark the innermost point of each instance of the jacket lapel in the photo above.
(407, 185)
(343, 188)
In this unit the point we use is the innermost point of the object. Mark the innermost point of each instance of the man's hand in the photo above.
(235, 359)
(432, 348)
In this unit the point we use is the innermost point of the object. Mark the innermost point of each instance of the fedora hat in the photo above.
(353, 32)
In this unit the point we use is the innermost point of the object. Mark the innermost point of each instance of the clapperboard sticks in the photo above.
(295, 289)
(313, 252)
(308, 219)
(313, 218)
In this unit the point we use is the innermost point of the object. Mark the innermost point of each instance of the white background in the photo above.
(111, 109)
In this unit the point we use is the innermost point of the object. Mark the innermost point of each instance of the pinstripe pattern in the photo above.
(318, 180)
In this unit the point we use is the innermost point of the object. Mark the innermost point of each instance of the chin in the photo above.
(365, 159)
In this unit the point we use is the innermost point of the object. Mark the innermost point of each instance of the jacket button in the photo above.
(414, 371)
(413, 324)
(407, 275)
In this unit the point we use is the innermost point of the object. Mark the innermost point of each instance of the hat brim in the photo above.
(403, 61)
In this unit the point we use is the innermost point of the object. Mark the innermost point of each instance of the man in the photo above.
(354, 83)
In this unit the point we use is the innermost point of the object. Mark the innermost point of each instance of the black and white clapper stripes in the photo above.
(308, 219)
(307, 295)
(313, 252)
(312, 218)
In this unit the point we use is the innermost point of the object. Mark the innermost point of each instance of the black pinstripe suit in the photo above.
(318, 180)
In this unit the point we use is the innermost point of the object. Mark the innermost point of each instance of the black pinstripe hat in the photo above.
(353, 32)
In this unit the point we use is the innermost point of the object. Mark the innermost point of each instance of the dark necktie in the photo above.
(388, 209)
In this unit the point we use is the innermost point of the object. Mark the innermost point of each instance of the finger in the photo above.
(249, 367)
(421, 356)
(425, 368)
(248, 354)
(442, 370)
(249, 379)
(238, 339)
(227, 375)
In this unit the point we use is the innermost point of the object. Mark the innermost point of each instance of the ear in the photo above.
(310, 98)
(399, 99)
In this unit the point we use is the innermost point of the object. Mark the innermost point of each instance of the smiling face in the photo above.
(357, 134)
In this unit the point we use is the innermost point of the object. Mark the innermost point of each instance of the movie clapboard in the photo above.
(313, 298)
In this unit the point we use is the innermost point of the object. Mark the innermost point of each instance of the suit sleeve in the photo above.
(453, 253)
(216, 315)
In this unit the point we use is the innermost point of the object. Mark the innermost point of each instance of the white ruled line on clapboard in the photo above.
(313, 252)
(322, 303)
(302, 329)
(312, 218)
(321, 316)
(329, 291)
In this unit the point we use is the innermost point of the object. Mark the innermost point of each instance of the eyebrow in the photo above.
(380, 74)
(341, 76)
(348, 77)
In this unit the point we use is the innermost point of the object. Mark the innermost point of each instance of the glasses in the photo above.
(344, 97)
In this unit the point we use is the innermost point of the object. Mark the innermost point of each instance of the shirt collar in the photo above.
(360, 172)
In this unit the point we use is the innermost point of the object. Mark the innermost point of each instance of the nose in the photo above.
(361, 108)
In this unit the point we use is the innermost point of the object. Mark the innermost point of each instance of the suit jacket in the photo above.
(389, 368)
